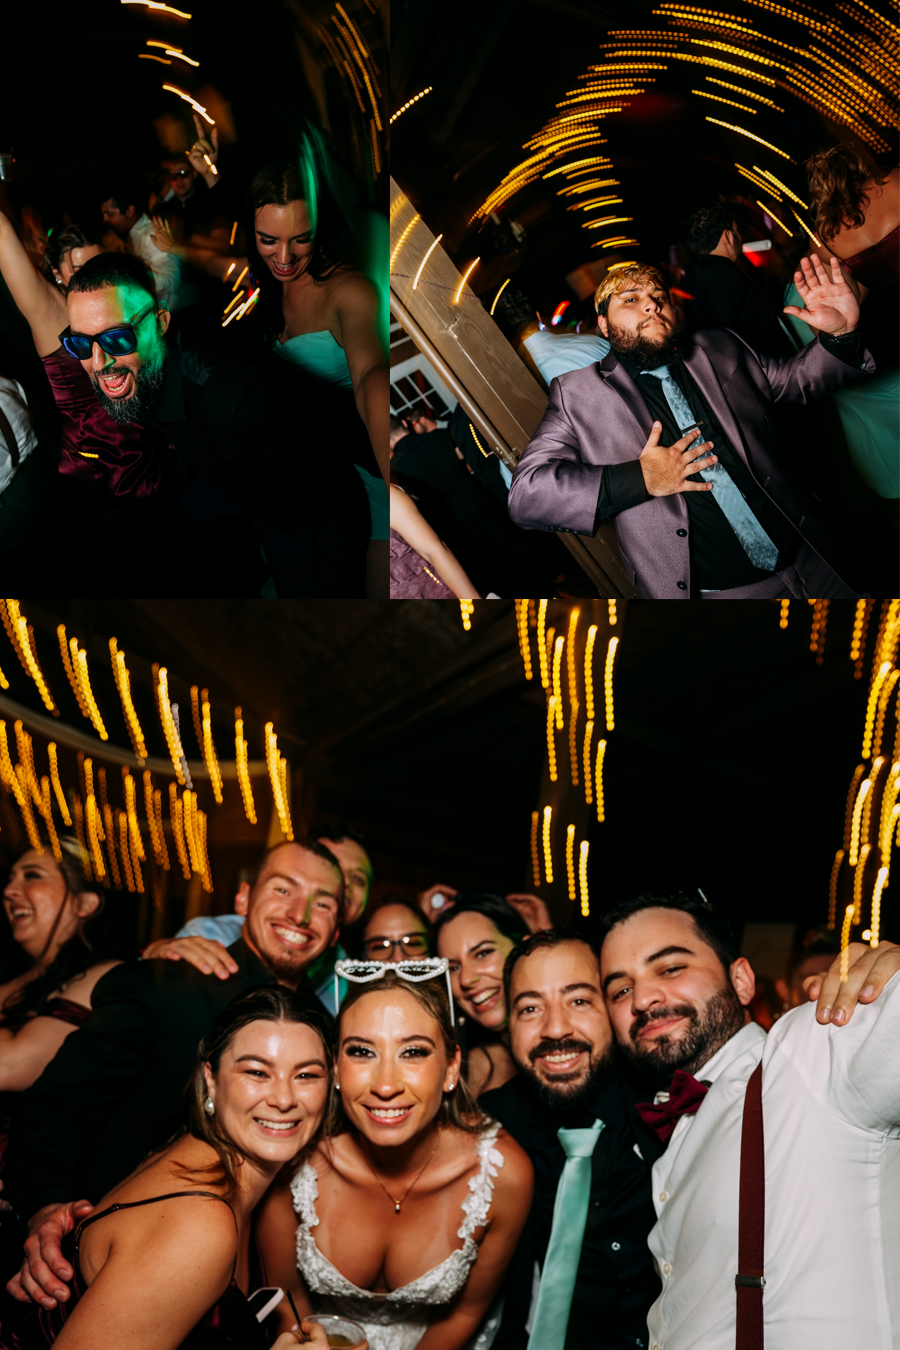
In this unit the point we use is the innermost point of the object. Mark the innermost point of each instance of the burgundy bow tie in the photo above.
(685, 1096)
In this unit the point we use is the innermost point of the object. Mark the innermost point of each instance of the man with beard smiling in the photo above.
(704, 499)
(114, 1092)
(266, 443)
(595, 1289)
(830, 1240)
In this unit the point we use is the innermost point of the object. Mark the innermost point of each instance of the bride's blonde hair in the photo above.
(458, 1107)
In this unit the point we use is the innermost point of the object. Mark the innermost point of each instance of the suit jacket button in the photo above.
(681, 533)
(682, 585)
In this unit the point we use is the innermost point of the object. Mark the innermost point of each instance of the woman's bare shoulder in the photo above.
(80, 987)
(190, 1228)
(517, 1168)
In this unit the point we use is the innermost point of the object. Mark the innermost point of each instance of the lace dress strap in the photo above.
(305, 1193)
(481, 1185)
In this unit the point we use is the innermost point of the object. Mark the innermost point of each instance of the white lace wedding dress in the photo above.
(397, 1320)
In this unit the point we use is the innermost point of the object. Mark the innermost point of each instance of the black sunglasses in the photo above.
(119, 341)
(179, 173)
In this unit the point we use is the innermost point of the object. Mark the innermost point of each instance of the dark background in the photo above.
(728, 768)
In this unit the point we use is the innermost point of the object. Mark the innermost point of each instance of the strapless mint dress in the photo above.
(322, 355)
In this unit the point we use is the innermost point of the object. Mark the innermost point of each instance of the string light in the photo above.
(785, 610)
(880, 883)
(864, 789)
(857, 641)
(209, 752)
(589, 671)
(124, 852)
(770, 212)
(173, 741)
(570, 861)
(535, 857)
(198, 107)
(608, 683)
(408, 104)
(858, 878)
(78, 814)
(611, 609)
(542, 643)
(705, 93)
(21, 635)
(748, 93)
(243, 772)
(598, 780)
(23, 797)
(845, 944)
(428, 254)
(749, 134)
(524, 641)
(557, 680)
(277, 778)
(586, 762)
(551, 745)
(813, 236)
(135, 842)
(467, 609)
(573, 741)
(176, 815)
(883, 672)
(401, 241)
(548, 857)
(123, 684)
(583, 879)
(478, 442)
(767, 174)
(155, 4)
(57, 785)
(499, 293)
(757, 181)
(884, 699)
(819, 626)
(832, 886)
(468, 272)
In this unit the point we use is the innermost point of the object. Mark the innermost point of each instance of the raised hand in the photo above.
(829, 302)
(667, 468)
(162, 235)
(204, 153)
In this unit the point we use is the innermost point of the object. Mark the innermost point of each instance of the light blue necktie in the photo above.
(751, 536)
(551, 1317)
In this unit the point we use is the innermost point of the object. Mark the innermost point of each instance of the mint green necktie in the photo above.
(573, 1194)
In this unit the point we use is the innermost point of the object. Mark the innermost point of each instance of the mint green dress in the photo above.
(322, 355)
(869, 411)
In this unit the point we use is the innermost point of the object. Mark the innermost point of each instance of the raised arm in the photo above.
(206, 259)
(356, 310)
(39, 302)
(408, 521)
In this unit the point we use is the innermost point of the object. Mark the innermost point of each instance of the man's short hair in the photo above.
(113, 269)
(311, 845)
(703, 227)
(514, 312)
(713, 927)
(620, 280)
(336, 830)
(543, 940)
(123, 194)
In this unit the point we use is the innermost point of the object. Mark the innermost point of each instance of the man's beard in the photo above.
(707, 1031)
(568, 1093)
(644, 351)
(146, 400)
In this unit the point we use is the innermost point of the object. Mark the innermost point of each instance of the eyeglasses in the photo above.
(119, 341)
(414, 943)
(363, 972)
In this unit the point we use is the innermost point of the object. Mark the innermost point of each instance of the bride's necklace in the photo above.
(393, 1199)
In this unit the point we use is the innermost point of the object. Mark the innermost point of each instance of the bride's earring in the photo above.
(209, 1106)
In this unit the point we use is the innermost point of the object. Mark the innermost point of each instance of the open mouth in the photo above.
(284, 271)
(295, 938)
(388, 1115)
(561, 1061)
(277, 1129)
(116, 385)
(485, 998)
(16, 915)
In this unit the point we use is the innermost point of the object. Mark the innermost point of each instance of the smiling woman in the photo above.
(417, 1166)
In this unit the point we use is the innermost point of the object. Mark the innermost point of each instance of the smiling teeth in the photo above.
(388, 1113)
(276, 1124)
(290, 935)
(564, 1058)
(478, 999)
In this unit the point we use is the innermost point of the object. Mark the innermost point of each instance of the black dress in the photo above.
(229, 1323)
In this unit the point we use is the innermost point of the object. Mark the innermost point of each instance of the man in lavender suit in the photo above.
(675, 439)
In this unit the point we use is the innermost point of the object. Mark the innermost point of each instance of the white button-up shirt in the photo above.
(14, 404)
(831, 1118)
(166, 267)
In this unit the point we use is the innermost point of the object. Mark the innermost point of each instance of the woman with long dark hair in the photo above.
(410, 1207)
(165, 1261)
(315, 306)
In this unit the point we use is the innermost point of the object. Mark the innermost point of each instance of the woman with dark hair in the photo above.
(152, 1271)
(110, 465)
(395, 930)
(476, 935)
(67, 940)
(411, 1205)
(856, 208)
(316, 308)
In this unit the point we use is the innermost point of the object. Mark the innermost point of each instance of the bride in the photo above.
(411, 1205)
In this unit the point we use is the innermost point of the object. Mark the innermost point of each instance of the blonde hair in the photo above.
(615, 282)
(837, 179)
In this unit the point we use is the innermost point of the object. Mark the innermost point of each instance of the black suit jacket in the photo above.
(730, 297)
(616, 1281)
(274, 440)
(114, 1090)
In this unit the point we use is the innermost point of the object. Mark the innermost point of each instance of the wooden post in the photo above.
(479, 366)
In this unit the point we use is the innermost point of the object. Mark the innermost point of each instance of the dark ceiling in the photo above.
(728, 767)
(496, 75)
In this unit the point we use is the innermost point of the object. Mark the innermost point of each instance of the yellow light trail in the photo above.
(432, 247)
(614, 243)
(570, 860)
(548, 857)
(770, 212)
(198, 107)
(470, 269)
(770, 177)
(748, 93)
(749, 134)
(409, 103)
(535, 856)
(816, 240)
(154, 4)
(605, 220)
(845, 943)
(497, 297)
(598, 780)
(583, 879)
(757, 181)
(588, 791)
(704, 93)
(402, 240)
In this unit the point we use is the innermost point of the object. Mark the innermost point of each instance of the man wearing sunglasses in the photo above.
(265, 445)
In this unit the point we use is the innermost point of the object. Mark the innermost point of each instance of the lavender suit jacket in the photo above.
(596, 416)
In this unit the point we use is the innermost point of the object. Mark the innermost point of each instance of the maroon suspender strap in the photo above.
(750, 1280)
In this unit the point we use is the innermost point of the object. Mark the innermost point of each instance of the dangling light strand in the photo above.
(583, 879)
(535, 856)
(570, 861)
(598, 780)
(548, 856)
(608, 683)
(243, 772)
